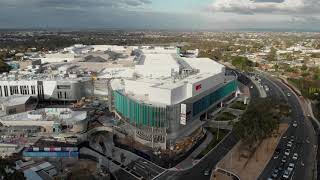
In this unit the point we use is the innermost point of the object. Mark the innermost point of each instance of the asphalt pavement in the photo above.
(303, 142)
(302, 136)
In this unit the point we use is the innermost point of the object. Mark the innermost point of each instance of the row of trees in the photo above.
(260, 120)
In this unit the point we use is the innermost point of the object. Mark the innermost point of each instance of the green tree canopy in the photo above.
(242, 63)
(304, 67)
(259, 121)
(272, 56)
(4, 67)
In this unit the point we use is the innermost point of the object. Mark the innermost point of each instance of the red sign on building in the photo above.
(198, 87)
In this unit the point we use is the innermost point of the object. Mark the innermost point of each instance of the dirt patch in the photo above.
(220, 176)
(250, 167)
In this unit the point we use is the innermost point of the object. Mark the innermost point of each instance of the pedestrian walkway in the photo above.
(190, 160)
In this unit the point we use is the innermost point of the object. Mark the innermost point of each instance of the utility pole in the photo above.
(218, 130)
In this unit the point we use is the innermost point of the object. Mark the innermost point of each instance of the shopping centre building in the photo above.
(168, 97)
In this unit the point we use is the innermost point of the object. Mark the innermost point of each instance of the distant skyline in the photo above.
(218, 15)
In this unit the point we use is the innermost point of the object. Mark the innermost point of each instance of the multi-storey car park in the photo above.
(167, 97)
(45, 86)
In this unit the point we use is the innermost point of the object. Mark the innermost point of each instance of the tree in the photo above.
(8, 163)
(242, 63)
(304, 67)
(4, 67)
(289, 57)
(258, 122)
(316, 73)
(276, 67)
(272, 56)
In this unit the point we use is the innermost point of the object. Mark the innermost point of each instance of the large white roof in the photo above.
(205, 65)
(170, 79)
(157, 65)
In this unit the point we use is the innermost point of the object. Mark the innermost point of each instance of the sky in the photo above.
(162, 14)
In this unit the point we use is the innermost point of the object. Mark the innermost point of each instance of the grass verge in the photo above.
(225, 116)
(238, 105)
(214, 141)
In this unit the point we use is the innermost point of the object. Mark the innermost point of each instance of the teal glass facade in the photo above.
(137, 113)
(140, 114)
(205, 102)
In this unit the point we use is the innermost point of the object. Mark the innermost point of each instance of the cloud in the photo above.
(304, 19)
(274, 1)
(266, 6)
(73, 3)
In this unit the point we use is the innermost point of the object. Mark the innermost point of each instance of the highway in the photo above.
(304, 141)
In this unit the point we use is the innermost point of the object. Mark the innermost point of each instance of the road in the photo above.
(131, 167)
(209, 161)
(304, 138)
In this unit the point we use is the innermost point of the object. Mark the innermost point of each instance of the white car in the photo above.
(287, 152)
(286, 174)
(294, 124)
(291, 167)
(288, 94)
(295, 156)
(284, 159)
(289, 144)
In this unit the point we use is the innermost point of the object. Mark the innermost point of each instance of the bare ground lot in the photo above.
(249, 168)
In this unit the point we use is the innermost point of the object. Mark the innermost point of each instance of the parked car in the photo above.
(275, 173)
(291, 167)
(206, 172)
(281, 166)
(292, 138)
(284, 159)
(289, 144)
(295, 156)
(286, 174)
(287, 152)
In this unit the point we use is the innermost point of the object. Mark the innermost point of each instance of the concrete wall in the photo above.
(15, 109)
(206, 84)
(46, 124)
(160, 95)
(178, 94)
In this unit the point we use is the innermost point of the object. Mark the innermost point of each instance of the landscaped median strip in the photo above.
(213, 143)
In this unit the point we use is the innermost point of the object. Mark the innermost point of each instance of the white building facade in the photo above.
(168, 97)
